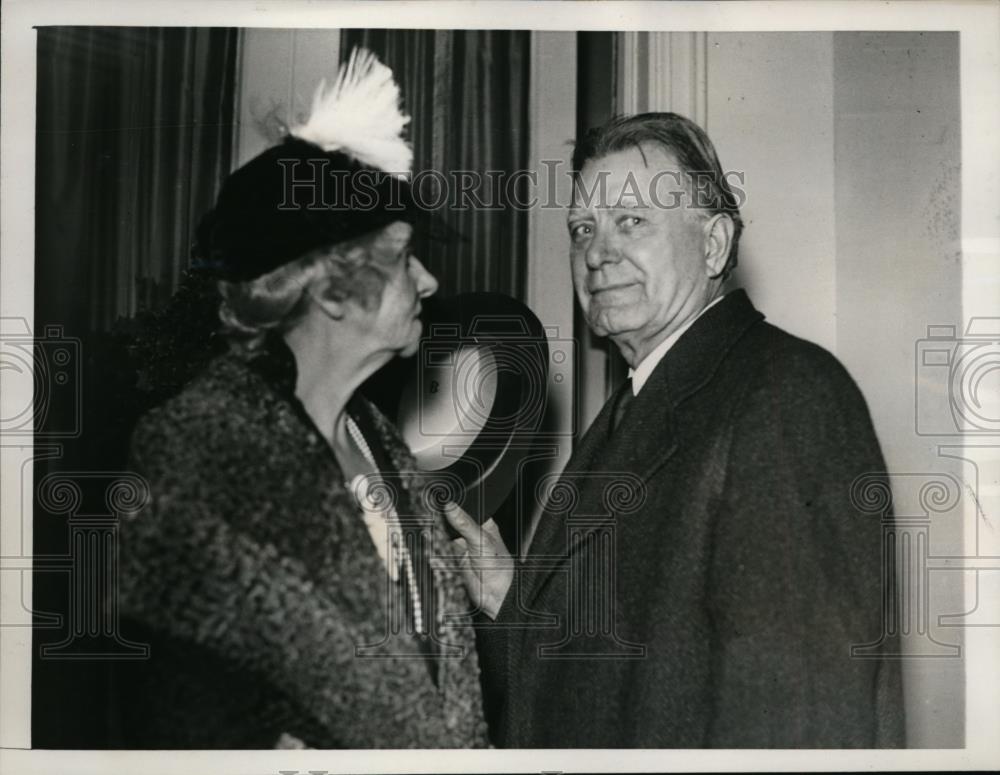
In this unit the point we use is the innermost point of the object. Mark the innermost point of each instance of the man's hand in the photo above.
(487, 567)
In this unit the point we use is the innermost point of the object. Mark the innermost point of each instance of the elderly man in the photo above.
(700, 573)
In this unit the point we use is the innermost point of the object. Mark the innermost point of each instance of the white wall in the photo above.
(770, 116)
(279, 70)
(850, 145)
(898, 270)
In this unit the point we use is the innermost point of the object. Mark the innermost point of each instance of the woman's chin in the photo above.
(410, 349)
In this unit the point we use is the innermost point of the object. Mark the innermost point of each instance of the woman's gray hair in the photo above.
(278, 300)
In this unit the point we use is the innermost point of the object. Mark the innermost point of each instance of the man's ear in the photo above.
(718, 243)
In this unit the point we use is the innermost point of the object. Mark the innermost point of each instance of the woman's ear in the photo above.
(332, 308)
(718, 243)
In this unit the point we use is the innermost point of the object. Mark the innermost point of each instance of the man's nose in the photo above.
(600, 251)
(427, 283)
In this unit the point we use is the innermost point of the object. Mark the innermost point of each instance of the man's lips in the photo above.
(608, 288)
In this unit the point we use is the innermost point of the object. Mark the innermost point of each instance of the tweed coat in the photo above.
(698, 577)
(253, 576)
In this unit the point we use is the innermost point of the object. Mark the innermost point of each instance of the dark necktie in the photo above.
(622, 401)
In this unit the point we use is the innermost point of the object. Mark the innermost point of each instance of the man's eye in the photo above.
(631, 221)
(580, 231)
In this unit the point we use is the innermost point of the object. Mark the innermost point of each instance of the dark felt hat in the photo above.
(341, 174)
(294, 198)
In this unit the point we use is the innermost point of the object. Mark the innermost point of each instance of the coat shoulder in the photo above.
(794, 370)
(207, 412)
(796, 356)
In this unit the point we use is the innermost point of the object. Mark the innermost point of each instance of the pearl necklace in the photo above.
(377, 518)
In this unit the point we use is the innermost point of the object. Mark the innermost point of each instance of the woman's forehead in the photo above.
(397, 231)
(388, 242)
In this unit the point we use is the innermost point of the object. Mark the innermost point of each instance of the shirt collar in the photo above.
(641, 373)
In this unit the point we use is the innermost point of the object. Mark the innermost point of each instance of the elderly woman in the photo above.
(289, 572)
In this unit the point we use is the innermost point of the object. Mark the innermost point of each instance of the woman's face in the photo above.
(393, 322)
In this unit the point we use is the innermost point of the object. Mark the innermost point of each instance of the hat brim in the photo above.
(472, 400)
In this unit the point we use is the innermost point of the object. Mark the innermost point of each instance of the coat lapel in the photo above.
(647, 436)
(602, 473)
(585, 456)
(643, 442)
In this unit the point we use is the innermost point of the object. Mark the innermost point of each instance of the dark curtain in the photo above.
(134, 129)
(134, 135)
(467, 94)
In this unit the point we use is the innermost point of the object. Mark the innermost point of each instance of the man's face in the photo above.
(638, 261)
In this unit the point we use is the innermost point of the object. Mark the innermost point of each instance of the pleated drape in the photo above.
(134, 135)
(467, 93)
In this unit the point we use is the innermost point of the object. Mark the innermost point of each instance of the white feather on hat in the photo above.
(360, 116)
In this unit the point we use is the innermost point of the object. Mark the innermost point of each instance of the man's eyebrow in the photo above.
(628, 202)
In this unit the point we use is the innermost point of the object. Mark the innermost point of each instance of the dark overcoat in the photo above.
(254, 579)
(699, 576)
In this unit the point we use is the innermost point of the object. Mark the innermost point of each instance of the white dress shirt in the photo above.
(641, 373)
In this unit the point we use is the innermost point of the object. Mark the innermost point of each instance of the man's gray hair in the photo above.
(687, 143)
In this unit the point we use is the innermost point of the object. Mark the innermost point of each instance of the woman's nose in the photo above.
(427, 284)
